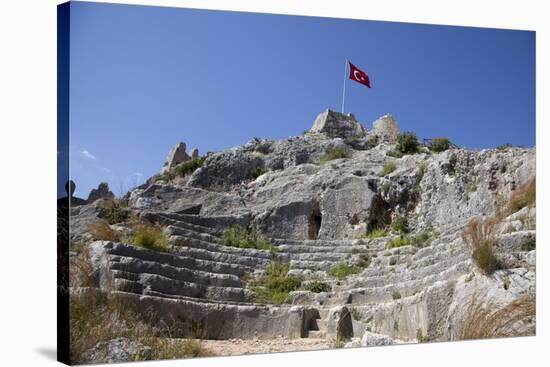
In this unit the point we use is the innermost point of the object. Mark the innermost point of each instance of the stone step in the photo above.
(172, 219)
(369, 279)
(158, 283)
(381, 294)
(176, 260)
(189, 233)
(245, 261)
(217, 223)
(219, 248)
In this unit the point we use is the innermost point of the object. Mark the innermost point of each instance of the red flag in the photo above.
(358, 75)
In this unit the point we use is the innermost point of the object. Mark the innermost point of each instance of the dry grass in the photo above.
(484, 321)
(81, 270)
(98, 317)
(168, 348)
(149, 236)
(522, 196)
(480, 235)
(101, 230)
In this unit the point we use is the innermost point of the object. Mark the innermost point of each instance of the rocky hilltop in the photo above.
(345, 235)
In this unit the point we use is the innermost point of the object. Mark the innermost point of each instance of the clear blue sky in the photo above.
(144, 78)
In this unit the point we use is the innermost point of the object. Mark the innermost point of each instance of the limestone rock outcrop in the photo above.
(176, 156)
(338, 125)
(386, 128)
(102, 192)
(318, 198)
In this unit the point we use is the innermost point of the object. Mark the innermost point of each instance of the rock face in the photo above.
(176, 156)
(102, 192)
(118, 350)
(337, 125)
(315, 197)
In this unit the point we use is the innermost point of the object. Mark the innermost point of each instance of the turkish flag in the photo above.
(358, 75)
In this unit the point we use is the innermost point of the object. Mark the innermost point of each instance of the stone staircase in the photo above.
(202, 269)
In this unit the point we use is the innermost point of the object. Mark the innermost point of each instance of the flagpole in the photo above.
(344, 91)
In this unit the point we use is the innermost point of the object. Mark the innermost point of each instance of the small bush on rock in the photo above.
(377, 233)
(407, 143)
(440, 144)
(388, 168)
(256, 172)
(398, 242)
(276, 284)
(238, 236)
(400, 225)
(317, 286)
(151, 237)
(113, 211)
(396, 295)
(335, 153)
(343, 270)
(187, 167)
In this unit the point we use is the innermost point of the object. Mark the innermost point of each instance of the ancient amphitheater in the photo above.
(414, 283)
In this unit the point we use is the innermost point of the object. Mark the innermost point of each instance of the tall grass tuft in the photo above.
(480, 235)
(523, 196)
(483, 320)
(151, 237)
(101, 230)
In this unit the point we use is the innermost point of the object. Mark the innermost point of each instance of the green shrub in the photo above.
(398, 242)
(187, 167)
(238, 236)
(396, 295)
(388, 168)
(503, 147)
(335, 153)
(421, 239)
(522, 196)
(440, 144)
(113, 211)
(343, 270)
(151, 237)
(400, 225)
(317, 286)
(377, 233)
(407, 143)
(364, 261)
(396, 326)
(393, 261)
(256, 172)
(276, 284)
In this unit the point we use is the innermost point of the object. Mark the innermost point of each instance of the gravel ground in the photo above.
(233, 347)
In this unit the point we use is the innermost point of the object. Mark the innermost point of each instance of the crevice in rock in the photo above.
(314, 223)
(379, 214)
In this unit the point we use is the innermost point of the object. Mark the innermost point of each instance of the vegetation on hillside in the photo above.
(238, 236)
(275, 285)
